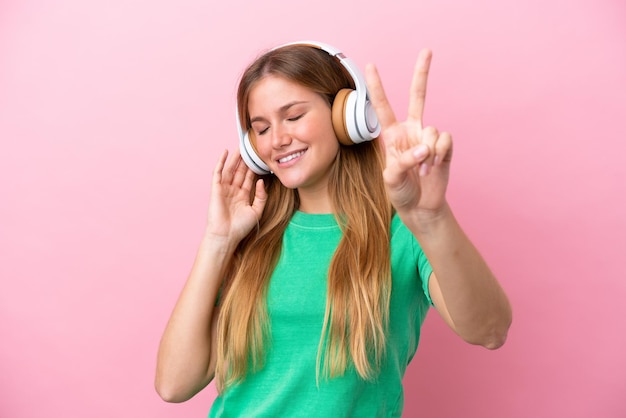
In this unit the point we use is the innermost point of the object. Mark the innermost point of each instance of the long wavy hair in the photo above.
(359, 277)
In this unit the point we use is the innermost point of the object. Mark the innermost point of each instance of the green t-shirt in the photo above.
(286, 385)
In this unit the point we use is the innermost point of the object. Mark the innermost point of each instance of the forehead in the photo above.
(273, 92)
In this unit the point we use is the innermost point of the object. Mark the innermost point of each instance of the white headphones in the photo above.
(354, 119)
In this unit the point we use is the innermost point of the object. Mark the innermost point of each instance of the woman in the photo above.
(314, 276)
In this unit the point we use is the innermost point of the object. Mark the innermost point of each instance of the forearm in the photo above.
(476, 303)
(185, 363)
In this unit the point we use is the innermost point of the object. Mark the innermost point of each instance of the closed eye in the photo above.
(292, 119)
(260, 128)
(295, 118)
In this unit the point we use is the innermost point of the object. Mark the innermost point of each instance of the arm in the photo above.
(186, 357)
(463, 288)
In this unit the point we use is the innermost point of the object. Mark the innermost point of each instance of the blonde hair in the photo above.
(359, 277)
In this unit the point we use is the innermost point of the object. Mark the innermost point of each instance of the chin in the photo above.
(290, 184)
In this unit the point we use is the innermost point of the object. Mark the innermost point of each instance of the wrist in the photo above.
(427, 221)
(217, 244)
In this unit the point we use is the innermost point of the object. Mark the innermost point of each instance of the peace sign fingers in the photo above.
(417, 157)
(417, 96)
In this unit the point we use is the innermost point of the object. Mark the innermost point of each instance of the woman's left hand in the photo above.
(417, 158)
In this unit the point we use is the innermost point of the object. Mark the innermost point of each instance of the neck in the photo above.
(315, 201)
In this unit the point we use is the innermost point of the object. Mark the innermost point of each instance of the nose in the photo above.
(280, 136)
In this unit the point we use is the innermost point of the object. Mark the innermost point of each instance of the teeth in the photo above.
(290, 157)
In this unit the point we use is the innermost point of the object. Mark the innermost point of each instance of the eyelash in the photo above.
(295, 118)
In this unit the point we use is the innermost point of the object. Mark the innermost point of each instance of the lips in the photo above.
(292, 156)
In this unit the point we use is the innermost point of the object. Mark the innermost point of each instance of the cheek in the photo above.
(329, 139)
(324, 133)
(261, 145)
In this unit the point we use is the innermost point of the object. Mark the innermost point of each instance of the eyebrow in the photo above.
(282, 109)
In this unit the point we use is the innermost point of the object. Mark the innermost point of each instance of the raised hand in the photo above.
(417, 158)
(231, 214)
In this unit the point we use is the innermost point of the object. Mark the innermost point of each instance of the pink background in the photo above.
(112, 114)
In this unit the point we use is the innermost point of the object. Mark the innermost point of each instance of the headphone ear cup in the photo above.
(250, 155)
(354, 120)
(339, 116)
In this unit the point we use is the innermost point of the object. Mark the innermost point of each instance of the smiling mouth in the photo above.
(291, 157)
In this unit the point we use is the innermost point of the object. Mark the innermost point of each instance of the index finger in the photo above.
(417, 96)
(379, 101)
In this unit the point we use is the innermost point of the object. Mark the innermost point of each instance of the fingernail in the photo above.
(423, 169)
(420, 152)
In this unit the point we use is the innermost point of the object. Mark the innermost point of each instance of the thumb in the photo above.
(260, 197)
(405, 161)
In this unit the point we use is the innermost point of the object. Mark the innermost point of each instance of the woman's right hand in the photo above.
(231, 215)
